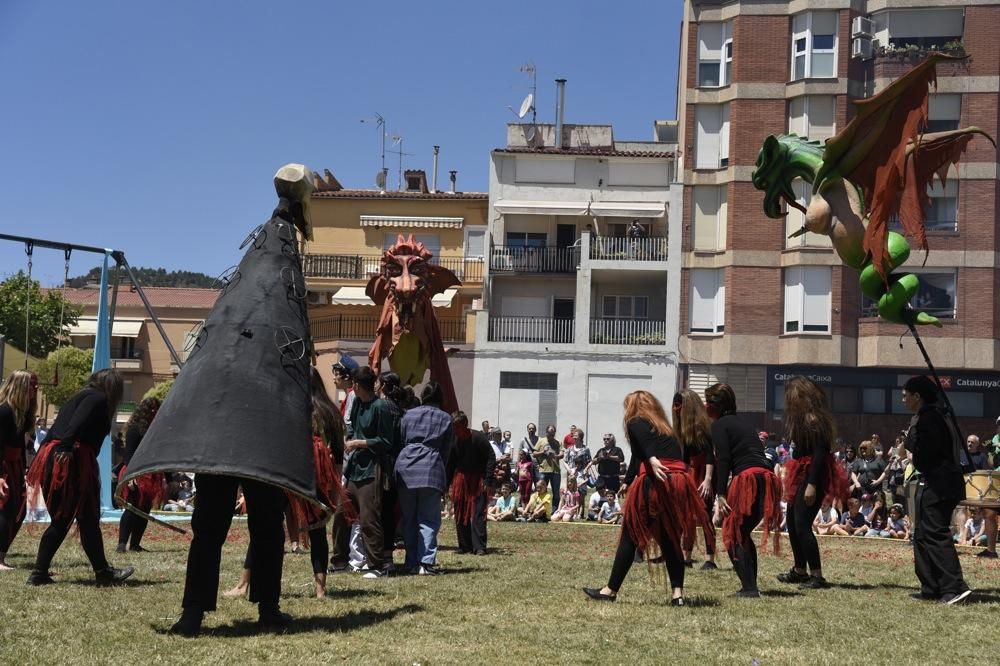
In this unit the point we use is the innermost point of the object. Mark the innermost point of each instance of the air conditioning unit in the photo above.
(862, 27)
(862, 47)
(317, 298)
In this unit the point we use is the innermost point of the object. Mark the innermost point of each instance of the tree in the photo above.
(150, 277)
(159, 390)
(44, 329)
(74, 366)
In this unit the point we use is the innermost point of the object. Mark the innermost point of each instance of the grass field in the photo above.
(520, 604)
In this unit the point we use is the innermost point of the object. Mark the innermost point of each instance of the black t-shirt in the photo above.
(84, 418)
(737, 448)
(132, 439)
(868, 470)
(606, 466)
(648, 444)
(932, 444)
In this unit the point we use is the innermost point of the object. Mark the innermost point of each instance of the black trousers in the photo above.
(743, 554)
(213, 515)
(935, 558)
(625, 556)
(472, 536)
(390, 517)
(11, 517)
(367, 497)
(799, 520)
(90, 538)
(131, 527)
(319, 551)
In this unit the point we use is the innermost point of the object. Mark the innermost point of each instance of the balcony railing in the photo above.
(518, 259)
(531, 329)
(607, 248)
(627, 332)
(363, 266)
(351, 327)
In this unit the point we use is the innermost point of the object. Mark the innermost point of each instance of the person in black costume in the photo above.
(935, 448)
(18, 400)
(662, 507)
(812, 476)
(68, 475)
(753, 494)
(142, 492)
(470, 467)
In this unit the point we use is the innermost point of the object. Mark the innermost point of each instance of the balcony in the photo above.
(363, 266)
(128, 361)
(531, 330)
(520, 259)
(353, 327)
(627, 332)
(604, 248)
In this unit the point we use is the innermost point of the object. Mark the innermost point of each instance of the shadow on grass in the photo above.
(311, 623)
(131, 582)
(701, 602)
(779, 593)
(334, 594)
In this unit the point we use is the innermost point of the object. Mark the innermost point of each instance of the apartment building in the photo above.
(351, 230)
(757, 306)
(576, 313)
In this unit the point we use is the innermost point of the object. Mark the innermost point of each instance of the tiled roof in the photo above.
(596, 152)
(159, 297)
(388, 194)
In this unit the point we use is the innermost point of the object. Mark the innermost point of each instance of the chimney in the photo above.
(454, 177)
(560, 108)
(434, 173)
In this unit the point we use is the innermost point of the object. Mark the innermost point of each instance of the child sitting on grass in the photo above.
(854, 523)
(611, 510)
(539, 509)
(505, 506)
(569, 504)
(899, 524)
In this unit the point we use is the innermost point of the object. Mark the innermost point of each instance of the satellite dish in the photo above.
(526, 105)
(380, 180)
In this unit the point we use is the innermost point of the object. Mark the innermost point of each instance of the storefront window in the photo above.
(845, 400)
(873, 400)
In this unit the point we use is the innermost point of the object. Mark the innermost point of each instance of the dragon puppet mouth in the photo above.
(405, 310)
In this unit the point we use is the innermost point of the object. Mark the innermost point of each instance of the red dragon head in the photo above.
(408, 278)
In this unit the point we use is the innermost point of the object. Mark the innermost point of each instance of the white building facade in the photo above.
(576, 314)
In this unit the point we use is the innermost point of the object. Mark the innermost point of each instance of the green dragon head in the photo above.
(781, 160)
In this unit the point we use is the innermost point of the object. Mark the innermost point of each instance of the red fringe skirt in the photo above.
(658, 512)
(329, 490)
(68, 479)
(12, 471)
(466, 488)
(147, 493)
(835, 487)
(742, 496)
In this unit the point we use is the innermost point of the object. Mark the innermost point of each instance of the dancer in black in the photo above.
(935, 448)
(67, 473)
(470, 468)
(812, 476)
(18, 400)
(753, 494)
(143, 492)
(694, 431)
(662, 505)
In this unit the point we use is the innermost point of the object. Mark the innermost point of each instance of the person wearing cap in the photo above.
(342, 371)
(933, 443)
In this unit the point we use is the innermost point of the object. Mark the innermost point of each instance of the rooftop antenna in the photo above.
(529, 101)
(380, 124)
(397, 140)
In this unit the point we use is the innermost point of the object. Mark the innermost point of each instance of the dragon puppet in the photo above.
(878, 167)
(408, 333)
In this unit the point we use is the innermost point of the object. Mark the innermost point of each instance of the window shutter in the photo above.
(706, 294)
(793, 300)
(724, 136)
(815, 298)
(797, 116)
(706, 217)
(944, 107)
(475, 243)
(708, 117)
(820, 116)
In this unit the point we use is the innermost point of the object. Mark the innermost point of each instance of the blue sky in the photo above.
(155, 127)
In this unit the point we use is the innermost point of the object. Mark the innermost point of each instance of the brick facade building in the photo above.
(757, 306)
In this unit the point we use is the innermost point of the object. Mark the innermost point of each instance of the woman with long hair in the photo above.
(66, 472)
(18, 401)
(143, 492)
(694, 431)
(812, 477)
(753, 495)
(662, 505)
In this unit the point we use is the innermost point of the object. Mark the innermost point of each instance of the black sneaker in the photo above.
(372, 574)
(39, 578)
(270, 618)
(596, 594)
(137, 549)
(189, 624)
(113, 576)
(748, 594)
(989, 554)
(925, 596)
(120, 548)
(429, 570)
(689, 564)
(709, 565)
(679, 601)
(792, 576)
(815, 583)
(336, 568)
(952, 599)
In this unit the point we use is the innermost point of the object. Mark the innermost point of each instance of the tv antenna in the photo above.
(397, 140)
(380, 124)
(528, 104)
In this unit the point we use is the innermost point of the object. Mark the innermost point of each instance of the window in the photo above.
(539, 381)
(524, 239)
(712, 140)
(625, 307)
(431, 241)
(942, 214)
(807, 299)
(715, 54)
(814, 45)
(475, 243)
(710, 217)
(796, 220)
(708, 300)
(844, 400)
(936, 295)
(943, 112)
(812, 116)
(413, 184)
(873, 400)
(923, 28)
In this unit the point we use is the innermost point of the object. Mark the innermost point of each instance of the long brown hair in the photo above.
(808, 418)
(109, 382)
(16, 392)
(326, 419)
(644, 405)
(692, 426)
(722, 397)
(144, 414)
